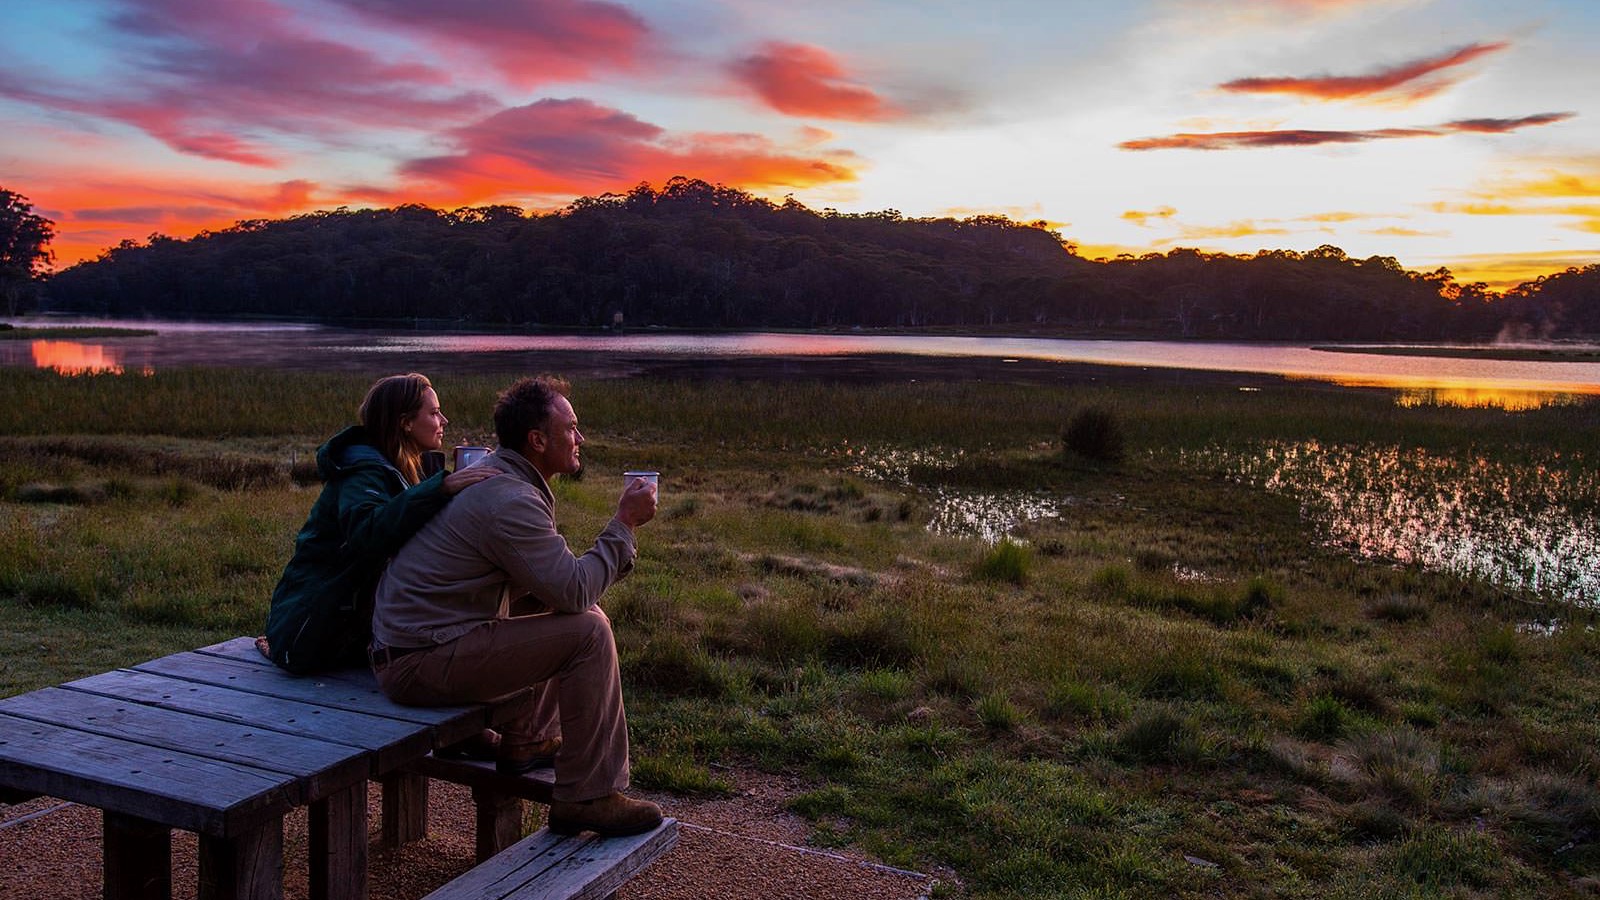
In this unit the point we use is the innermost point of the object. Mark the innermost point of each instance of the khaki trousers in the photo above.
(575, 654)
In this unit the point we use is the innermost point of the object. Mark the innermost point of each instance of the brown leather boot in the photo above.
(534, 756)
(610, 816)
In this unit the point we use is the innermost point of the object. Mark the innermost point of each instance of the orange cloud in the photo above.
(1238, 229)
(577, 146)
(1142, 218)
(1239, 140)
(1397, 231)
(1552, 192)
(97, 210)
(1332, 217)
(1507, 270)
(1409, 81)
(803, 80)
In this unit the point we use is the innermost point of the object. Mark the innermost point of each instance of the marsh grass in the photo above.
(1151, 676)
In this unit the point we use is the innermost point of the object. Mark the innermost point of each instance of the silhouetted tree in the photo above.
(24, 250)
(694, 254)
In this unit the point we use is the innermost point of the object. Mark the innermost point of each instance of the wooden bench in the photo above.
(220, 742)
(548, 866)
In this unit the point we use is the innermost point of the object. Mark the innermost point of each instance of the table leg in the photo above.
(499, 821)
(138, 858)
(338, 852)
(405, 808)
(248, 867)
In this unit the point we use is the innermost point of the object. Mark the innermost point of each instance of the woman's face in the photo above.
(424, 429)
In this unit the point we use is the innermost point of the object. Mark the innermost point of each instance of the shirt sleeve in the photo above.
(539, 562)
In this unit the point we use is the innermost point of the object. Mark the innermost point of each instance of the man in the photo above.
(443, 632)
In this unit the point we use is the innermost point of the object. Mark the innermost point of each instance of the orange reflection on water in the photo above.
(1483, 398)
(1410, 394)
(73, 358)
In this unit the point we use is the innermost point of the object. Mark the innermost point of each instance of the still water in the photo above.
(1419, 380)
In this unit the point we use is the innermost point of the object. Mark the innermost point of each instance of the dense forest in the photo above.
(698, 255)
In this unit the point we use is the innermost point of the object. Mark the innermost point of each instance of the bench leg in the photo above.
(138, 859)
(499, 821)
(338, 851)
(405, 808)
(249, 867)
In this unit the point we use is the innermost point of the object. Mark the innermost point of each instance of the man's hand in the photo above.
(455, 481)
(638, 503)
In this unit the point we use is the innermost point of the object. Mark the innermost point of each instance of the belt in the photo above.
(385, 655)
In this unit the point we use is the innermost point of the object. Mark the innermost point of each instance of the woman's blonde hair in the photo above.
(390, 403)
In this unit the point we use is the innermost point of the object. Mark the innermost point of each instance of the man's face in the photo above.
(553, 448)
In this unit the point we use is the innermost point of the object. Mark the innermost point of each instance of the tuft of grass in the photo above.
(887, 685)
(1070, 698)
(1154, 735)
(996, 712)
(680, 774)
(1323, 718)
(670, 666)
(1006, 561)
(1438, 857)
(1397, 608)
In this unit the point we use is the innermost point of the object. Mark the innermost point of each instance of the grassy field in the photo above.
(1175, 688)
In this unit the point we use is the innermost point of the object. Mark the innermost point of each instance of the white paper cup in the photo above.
(652, 477)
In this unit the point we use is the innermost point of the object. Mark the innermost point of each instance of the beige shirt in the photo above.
(493, 542)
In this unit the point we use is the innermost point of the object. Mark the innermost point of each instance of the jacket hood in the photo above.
(349, 449)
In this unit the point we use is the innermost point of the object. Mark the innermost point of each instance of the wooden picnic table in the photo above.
(220, 742)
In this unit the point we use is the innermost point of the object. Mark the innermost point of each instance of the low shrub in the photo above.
(1095, 433)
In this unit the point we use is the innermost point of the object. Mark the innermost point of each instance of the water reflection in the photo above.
(987, 516)
(73, 358)
(1470, 396)
(1527, 525)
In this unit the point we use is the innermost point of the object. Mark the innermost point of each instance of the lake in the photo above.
(1417, 379)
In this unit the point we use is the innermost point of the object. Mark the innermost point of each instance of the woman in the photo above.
(373, 499)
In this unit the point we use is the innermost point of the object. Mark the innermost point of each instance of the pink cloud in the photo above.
(803, 80)
(1238, 140)
(213, 79)
(577, 146)
(1408, 81)
(528, 41)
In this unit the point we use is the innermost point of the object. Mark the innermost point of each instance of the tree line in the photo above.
(693, 254)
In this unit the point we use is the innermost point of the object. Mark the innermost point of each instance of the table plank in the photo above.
(323, 691)
(178, 789)
(393, 743)
(325, 767)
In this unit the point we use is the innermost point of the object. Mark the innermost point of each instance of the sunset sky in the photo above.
(1457, 132)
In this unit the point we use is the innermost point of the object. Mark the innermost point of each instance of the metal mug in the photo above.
(466, 456)
(652, 477)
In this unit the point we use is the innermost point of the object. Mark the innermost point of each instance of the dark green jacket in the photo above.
(321, 615)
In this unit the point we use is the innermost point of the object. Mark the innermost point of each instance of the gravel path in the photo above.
(743, 846)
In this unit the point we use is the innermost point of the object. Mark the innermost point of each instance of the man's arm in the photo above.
(539, 562)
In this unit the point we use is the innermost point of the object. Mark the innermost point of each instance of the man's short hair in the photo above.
(524, 406)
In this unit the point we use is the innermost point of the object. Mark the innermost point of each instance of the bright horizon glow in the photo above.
(1457, 133)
